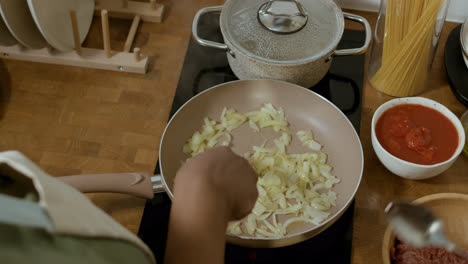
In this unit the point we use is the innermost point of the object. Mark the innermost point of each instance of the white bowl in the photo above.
(407, 169)
(464, 41)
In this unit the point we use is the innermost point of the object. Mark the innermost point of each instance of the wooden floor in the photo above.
(73, 120)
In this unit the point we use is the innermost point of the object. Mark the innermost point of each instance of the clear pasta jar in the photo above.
(406, 38)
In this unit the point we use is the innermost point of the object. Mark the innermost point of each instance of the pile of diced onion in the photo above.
(296, 185)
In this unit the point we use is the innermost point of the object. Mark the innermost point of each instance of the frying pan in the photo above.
(304, 109)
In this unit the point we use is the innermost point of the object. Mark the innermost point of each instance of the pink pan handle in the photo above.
(138, 184)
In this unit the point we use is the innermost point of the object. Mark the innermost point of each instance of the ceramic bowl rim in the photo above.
(415, 100)
(464, 46)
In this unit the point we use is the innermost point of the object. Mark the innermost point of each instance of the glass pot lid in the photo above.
(314, 30)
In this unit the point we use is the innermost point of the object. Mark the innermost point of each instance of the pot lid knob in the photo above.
(282, 16)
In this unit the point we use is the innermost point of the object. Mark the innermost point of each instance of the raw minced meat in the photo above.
(406, 254)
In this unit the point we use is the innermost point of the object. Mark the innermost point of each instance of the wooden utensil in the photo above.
(19, 21)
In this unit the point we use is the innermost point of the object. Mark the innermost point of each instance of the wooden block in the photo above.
(116, 152)
(57, 171)
(33, 153)
(84, 148)
(136, 98)
(139, 140)
(142, 9)
(90, 58)
(146, 156)
(43, 143)
(76, 162)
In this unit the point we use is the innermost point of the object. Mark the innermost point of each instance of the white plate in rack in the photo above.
(464, 41)
(19, 21)
(6, 38)
(53, 20)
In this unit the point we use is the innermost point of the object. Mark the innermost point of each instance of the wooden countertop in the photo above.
(73, 120)
(379, 186)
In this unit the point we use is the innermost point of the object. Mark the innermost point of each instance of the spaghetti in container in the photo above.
(405, 41)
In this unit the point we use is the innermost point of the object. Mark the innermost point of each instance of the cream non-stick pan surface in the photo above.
(304, 109)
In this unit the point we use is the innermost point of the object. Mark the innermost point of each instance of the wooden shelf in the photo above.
(89, 58)
(105, 59)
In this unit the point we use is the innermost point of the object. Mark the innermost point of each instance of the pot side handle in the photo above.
(363, 49)
(204, 42)
(138, 184)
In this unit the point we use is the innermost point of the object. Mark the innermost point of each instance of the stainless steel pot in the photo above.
(281, 40)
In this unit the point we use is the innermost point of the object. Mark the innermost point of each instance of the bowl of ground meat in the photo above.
(452, 209)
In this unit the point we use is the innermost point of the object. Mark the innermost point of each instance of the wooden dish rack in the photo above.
(106, 59)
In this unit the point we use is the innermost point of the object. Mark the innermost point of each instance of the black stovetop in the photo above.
(457, 72)
(206, 67)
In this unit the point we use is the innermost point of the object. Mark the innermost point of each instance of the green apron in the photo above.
(43, 220)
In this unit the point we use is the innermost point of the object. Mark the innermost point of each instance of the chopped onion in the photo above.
(258, 209)
(212, 131)
(290, 210)
(271, 227)
(231, 120)
(228, 140)
(251, 224)
(263, 217)
(295, 220)
(268, 116)
(264, 233)
(296, 178)
(234, 228)
(307, 139)
(297, 185)
(253, 125)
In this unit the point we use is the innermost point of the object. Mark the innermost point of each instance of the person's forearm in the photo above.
(197, 227)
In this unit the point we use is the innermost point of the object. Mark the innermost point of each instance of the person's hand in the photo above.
(229, 176)
(210, 189)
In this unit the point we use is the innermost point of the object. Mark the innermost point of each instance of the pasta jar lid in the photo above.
(243, 28)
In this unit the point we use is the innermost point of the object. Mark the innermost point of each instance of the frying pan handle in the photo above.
(363, 49)
(205, 42)
(138, 184)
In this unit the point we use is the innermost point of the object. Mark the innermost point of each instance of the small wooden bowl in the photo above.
(452, 208)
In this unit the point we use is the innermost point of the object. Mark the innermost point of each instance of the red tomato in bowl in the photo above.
(417, 134)
(418, 138)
